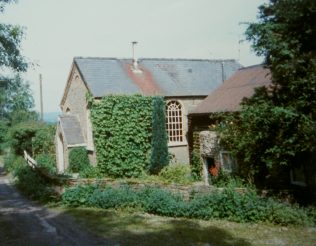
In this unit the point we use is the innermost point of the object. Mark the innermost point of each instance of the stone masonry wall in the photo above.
(76, 99)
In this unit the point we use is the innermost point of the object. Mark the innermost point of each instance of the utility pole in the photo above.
(41, 97)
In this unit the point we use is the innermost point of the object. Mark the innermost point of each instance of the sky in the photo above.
(58, 30)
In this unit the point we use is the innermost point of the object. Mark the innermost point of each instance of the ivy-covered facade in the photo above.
(181, 83)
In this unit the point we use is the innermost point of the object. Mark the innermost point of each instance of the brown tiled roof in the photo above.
(228, 96)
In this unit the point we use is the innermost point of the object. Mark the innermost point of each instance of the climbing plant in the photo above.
(159, 154)
(122, 128)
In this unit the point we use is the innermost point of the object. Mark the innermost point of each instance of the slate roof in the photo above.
(228, 96)
(167, 77)
(71, 130)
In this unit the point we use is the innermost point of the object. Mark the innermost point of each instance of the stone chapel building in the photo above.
(184, 83)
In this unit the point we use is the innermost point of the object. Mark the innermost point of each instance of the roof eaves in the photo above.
(67, 85)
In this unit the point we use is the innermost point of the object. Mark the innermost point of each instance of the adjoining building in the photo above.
(225, 98)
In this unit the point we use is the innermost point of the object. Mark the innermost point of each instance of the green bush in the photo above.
(33, 185)
(34, 137)
(159, 201)
(3, 134)
(282, 214)
(27, 180)
(225, 179)
(21, 137)
(90, 172)
(227, 204)
(114, 198)
(47, 162)
(12, 163)
(78, 159)
(79, 195)
(43, 141)
(176, 173)
(196, 165)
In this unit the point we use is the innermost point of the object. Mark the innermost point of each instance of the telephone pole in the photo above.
(41, 97)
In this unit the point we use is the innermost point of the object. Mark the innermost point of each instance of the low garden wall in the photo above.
(185, 190)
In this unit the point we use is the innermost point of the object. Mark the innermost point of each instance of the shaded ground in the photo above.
(135, 228)
(23, 222)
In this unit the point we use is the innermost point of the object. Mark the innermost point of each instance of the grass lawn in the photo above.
(135, 228)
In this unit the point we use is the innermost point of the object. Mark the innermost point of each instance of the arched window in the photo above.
(174, 122)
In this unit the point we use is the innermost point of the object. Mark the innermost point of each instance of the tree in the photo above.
(159, 143)
(16, 100)
(15, 96)
(277, 126)
(10, 44)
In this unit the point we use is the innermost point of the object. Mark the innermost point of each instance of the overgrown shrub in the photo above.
(47, 162)
(33, 185)
(78, 159)
(114, 198)
(196, 165)
(21, 137)
(225, 179)
(90, 172)
(176, 173)
(3, 133)
(27, 180)
(79, 195)
(12, 163)
(159, 201)
(34, 137)
(43, 141)
(227, 204)
(159, 142)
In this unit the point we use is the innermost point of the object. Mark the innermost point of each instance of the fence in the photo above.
(41, 171)
(30, 161)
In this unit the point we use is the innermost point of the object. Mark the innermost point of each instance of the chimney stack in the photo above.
(135, 68)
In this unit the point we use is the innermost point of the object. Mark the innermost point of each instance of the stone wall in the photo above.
(187, 191)
(75, 102)
(75, 99)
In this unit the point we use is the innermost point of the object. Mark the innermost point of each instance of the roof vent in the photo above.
(135, 67)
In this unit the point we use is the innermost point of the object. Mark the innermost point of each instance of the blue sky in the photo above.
(58, 30)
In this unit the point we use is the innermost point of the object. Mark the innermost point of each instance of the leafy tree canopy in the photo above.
(16, 100)
(277, 126)
(10, 44)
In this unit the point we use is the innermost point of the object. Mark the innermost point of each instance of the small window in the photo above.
(228, 163)
(174, 122)
(298, 176)
(68, 111)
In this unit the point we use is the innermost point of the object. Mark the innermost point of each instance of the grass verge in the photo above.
(135, 228)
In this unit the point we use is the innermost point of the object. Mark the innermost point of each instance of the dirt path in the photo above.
(23, 222)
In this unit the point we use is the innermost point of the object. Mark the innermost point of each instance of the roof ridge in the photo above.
(96, 57)
(253, 66)
(159, 59)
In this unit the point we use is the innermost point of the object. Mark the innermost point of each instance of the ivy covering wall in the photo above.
(122, 129)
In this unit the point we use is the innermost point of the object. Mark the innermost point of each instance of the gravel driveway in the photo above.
(23, 222)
